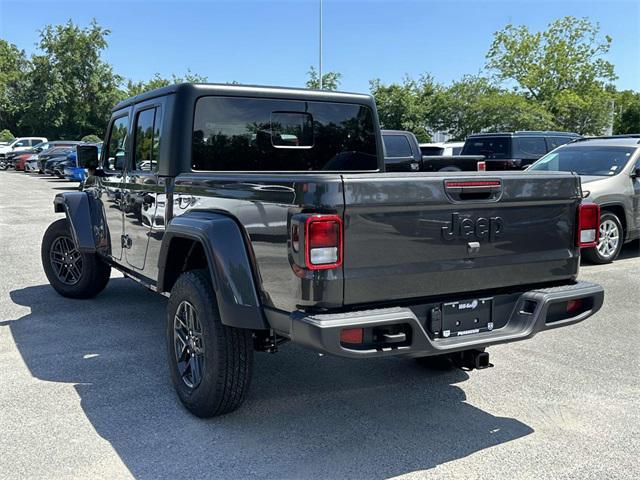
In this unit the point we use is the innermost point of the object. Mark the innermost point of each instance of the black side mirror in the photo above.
(38, 149)
(87, 156)
(636, 173)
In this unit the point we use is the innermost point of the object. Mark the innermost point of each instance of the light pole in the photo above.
(320, 49)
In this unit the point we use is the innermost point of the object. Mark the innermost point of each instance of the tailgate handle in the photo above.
(470, 190)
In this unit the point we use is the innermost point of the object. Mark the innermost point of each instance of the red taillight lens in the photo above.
(588, 225)
(482, 166)
(574, 305)
(323, 242)
(351, 335)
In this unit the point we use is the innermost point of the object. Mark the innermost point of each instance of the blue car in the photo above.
(75, 173)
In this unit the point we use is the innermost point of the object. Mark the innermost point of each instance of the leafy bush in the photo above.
(91, 138)
(6, 135)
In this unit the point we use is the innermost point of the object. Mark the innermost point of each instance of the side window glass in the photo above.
(529, 147)
(116, 148)
(555, 142)
(22, 143)
(147, 140)
(397, 146)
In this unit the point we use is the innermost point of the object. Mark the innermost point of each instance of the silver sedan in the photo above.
(610, 171)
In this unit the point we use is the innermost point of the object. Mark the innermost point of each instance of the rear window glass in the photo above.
(597, 161)
(431, 150)
(529, 147)
(252, 134)
(396, 146)
(490, 147)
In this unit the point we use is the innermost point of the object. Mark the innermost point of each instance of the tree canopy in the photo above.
(563, 68)
(330, 80)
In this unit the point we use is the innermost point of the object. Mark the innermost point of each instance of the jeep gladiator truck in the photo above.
(265, 215)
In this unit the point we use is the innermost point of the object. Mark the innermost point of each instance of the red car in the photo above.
(20, 160)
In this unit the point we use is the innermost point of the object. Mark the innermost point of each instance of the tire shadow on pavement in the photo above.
(307, 416)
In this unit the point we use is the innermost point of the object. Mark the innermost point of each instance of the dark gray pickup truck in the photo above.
(265, 215)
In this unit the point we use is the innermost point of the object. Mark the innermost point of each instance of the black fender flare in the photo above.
(77, 207)
(227, 256)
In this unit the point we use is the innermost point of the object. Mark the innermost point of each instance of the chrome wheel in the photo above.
(188, 344)
(609, 239)
(66, 260)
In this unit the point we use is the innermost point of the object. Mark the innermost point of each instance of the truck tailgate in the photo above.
(420, 235)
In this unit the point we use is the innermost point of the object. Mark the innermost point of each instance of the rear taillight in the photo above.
(482, 166)
(588, 225)
(323, 242)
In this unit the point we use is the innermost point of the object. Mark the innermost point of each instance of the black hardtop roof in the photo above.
(532, 133)
(201, 89)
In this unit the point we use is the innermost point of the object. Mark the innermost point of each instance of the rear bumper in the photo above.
(322, 332)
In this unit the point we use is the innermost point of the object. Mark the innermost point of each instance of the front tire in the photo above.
(210, 363)
(70, 272)
(610, 243)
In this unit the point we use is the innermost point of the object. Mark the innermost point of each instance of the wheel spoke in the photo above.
(66, 260)
(189, 344)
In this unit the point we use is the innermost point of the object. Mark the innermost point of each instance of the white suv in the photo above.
(19, 144)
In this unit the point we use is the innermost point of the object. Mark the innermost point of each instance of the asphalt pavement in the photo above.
(85, 391)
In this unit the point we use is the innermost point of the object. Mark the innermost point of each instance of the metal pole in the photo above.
(320, 49)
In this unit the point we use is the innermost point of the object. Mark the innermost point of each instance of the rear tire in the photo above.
(610, 244)
(70, 272)
(210, 363)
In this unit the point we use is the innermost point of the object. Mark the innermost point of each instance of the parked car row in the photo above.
(56, 158)
(479, 152)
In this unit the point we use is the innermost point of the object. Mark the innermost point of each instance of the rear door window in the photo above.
(261, 134)
(397, 146)
(147, 140)
(529, 148)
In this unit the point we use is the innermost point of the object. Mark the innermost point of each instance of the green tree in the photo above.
(330, 80)
(562, 68)
(6, 135)
(70, 89)
(406, 106)
(626, 112)
(157, 81)
(475, 104)
(13, 69)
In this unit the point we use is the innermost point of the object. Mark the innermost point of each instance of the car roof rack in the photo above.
(534, 132)
(608, 137)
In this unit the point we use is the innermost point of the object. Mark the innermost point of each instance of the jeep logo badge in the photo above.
(466, 228)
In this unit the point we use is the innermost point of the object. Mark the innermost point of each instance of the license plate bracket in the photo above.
(467, 317)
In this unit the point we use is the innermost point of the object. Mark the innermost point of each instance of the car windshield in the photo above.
(490, 147)
(586, 160)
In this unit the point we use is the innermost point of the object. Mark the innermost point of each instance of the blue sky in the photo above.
(275, 42)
